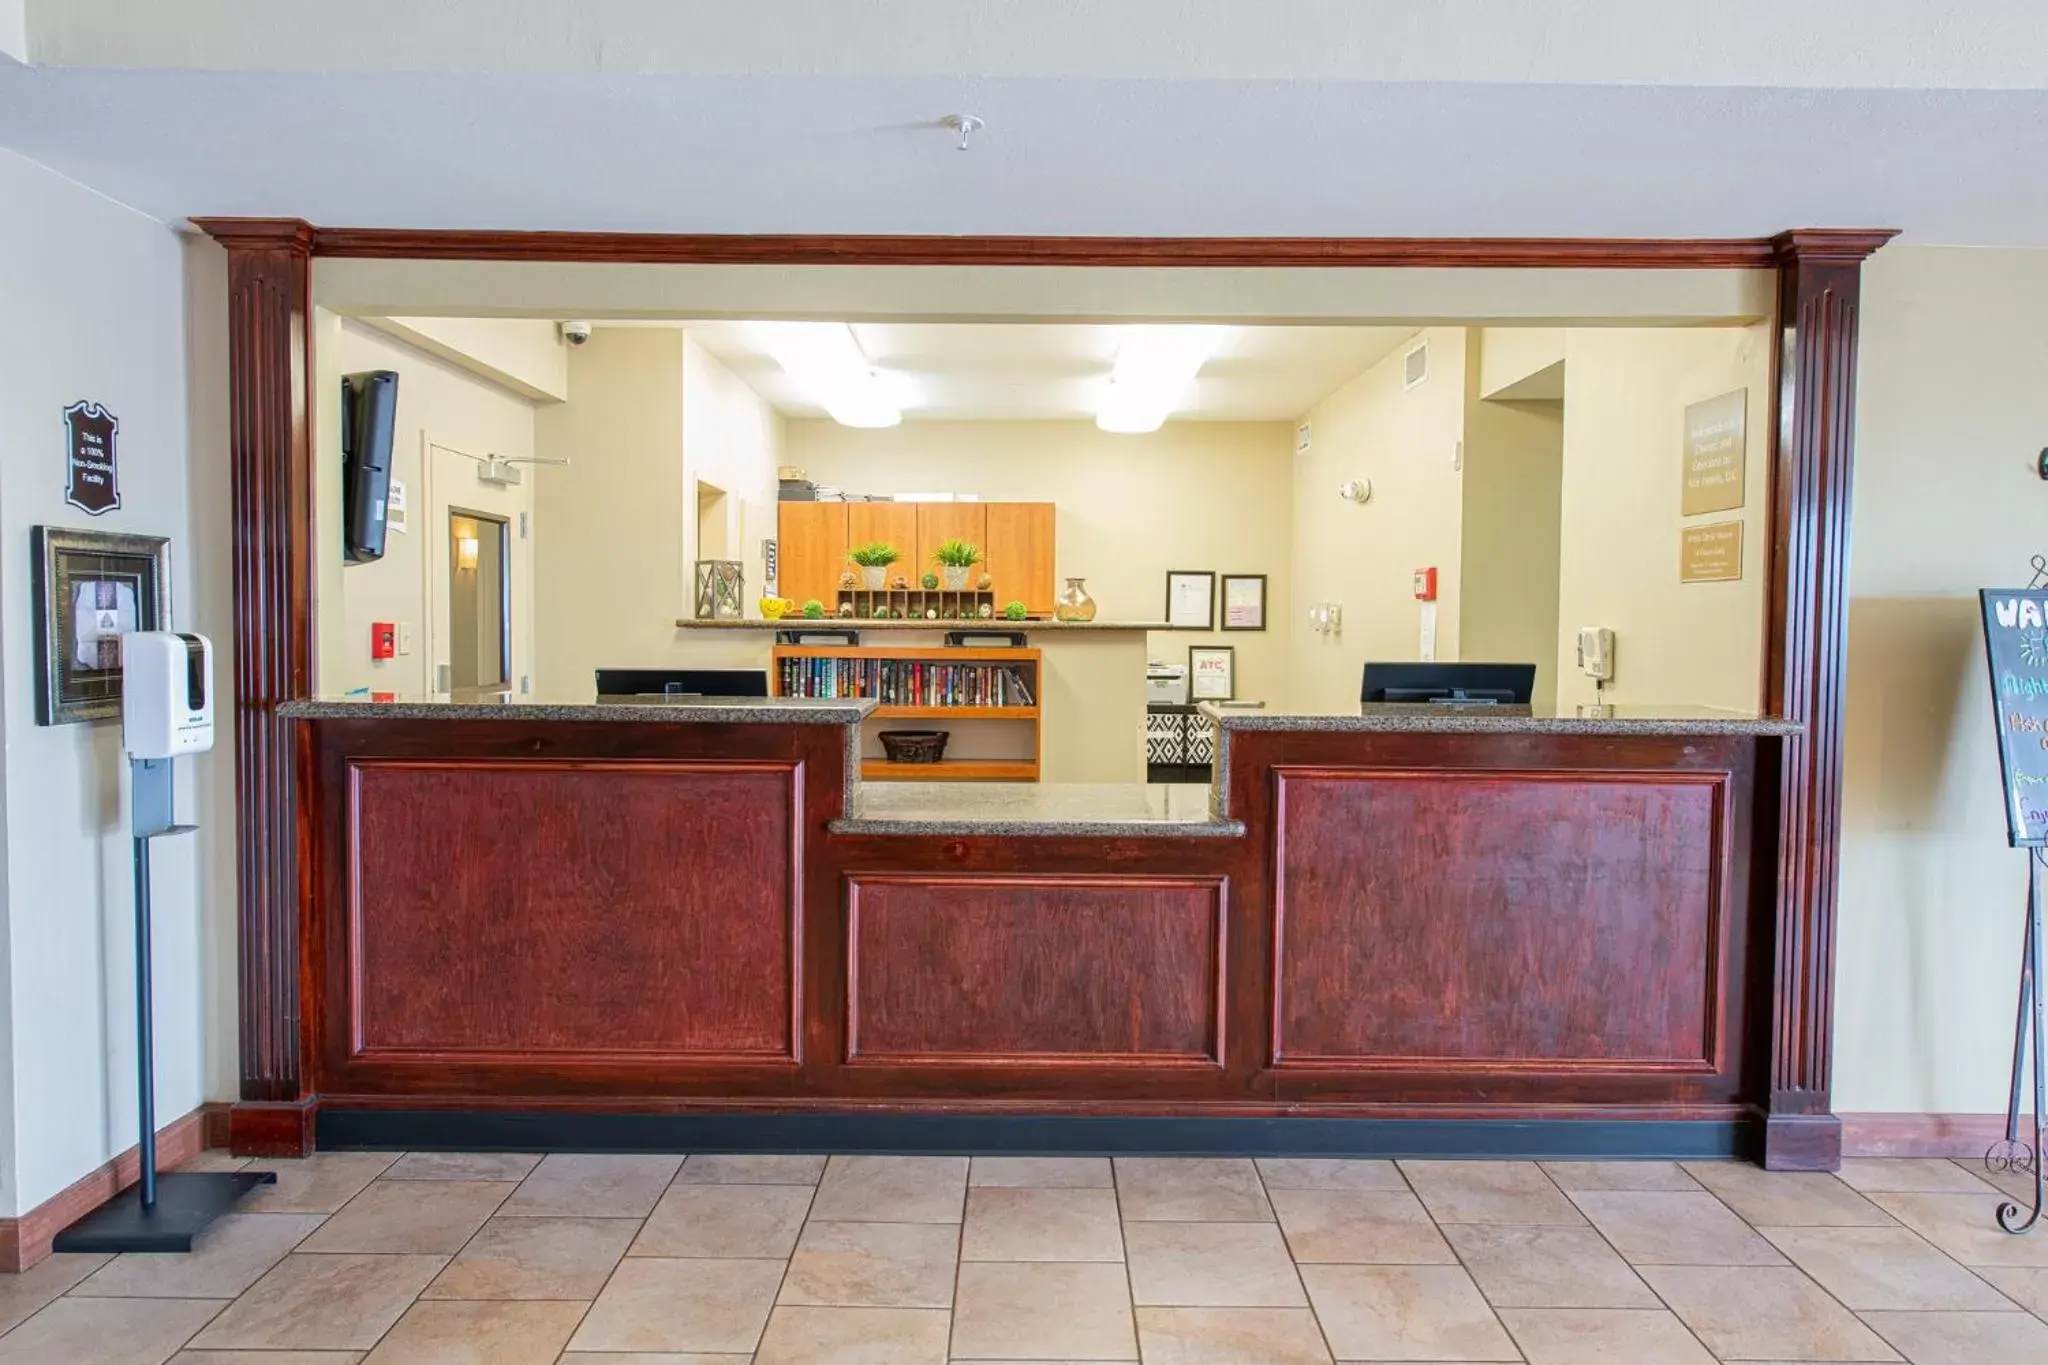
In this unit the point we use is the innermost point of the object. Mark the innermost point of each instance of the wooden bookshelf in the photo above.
(1022, 718)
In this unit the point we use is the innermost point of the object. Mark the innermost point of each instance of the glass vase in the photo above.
(1074, 604)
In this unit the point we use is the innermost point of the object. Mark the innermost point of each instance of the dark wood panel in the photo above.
(1035, 970)
(1431, 920)
(518, 909)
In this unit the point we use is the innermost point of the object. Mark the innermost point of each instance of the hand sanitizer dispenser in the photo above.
(166, 694)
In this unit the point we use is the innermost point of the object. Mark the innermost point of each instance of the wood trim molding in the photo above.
(270, 368)
(25, 1241)
(1965, 1137)
(1813, 430)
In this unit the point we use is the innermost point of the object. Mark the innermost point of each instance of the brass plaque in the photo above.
(1715, 449)
(1710, 553)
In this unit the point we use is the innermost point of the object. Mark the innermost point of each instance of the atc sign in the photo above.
(89, 431)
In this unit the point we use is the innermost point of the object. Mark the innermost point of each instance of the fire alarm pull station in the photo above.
(383, 640)
(1425, 585)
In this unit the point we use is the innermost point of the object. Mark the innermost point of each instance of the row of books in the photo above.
(907, 682)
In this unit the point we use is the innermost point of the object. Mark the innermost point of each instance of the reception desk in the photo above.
(689, 926)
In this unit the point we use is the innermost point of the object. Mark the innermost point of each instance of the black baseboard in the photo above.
(473, 1130)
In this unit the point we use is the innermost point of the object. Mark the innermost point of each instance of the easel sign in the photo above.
(2016, 645)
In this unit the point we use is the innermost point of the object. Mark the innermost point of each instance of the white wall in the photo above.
(733, 441)
(1508, 549)
(68, 940)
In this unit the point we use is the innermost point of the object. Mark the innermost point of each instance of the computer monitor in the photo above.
(1508, 684)
(682, 682)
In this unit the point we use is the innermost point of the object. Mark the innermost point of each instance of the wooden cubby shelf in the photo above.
(910, 687)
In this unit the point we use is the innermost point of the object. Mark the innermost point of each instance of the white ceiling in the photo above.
(1054, 372)
(1167, 117)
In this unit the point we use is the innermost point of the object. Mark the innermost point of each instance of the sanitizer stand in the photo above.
(156, 1213)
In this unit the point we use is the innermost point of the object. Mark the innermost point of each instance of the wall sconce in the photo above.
(1356, 490)
(465, 552)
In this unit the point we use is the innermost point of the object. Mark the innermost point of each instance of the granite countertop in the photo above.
(1438, 719)
(659, 710)
(1045, 809)
(919, 623)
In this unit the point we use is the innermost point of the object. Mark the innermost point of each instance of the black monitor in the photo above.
(369, 420)
(682, 682)
(1508, 684)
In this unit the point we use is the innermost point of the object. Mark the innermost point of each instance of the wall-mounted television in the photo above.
(369, 419)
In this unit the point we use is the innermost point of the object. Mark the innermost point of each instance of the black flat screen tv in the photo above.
(369, 418)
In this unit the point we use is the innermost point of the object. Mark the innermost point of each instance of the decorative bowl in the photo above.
(914, 746)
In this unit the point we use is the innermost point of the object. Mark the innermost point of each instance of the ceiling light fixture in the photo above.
(827, 363)
(1155, 368)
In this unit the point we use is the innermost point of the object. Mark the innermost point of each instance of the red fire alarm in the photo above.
(383, 640)
(1425, 585)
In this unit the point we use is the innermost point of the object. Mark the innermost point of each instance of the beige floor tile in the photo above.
(1763, 1313)
(1405, 1313)
(1045, 1310)
(225, 1260)
(1489, 1192)
(1005, 1224)
(751, 1170)
(1883, 1268)
(757, 1222)
(874, 1265)
(587, 1186)
(462, 1166)
(1787, 1198)
(1622, 1336)
(651, 1358)
(211, 1159)
(1042, 1172)
(1230, 1336)
(1574, 1177)
(1211, 1265)
(322, 1303)
(1965, 1226)
(536, 1258)
(2018, 1184)
(892, 1189)
(1539, 1267)
(1909, 1175)
(1366, 1227)
(1329, 1173)
(266, 1358)
(106, 1331)
(1964, 1338)
(475, 1332)
(419, 1216)
(681, 1305)
(320, 1183)
(1652, 1228)
(855, 1336)
(1191, 1190)
(2027, 1288)
(23, 1294)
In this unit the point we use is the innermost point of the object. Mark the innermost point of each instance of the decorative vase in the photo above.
(984, 583)
(956, 577)
(1074, 603)
(874, 577)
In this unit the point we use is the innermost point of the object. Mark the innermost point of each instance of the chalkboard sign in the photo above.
(2016, 643)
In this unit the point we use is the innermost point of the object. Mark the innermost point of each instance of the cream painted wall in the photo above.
(1510, 355)
(733, 441)
(1513, 485)
(1951, 413)
(1193, 495)
(1364, 558)
(1626, 390)
(463, 417)
(525, 355)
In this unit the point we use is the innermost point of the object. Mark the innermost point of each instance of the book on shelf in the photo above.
(908, 682)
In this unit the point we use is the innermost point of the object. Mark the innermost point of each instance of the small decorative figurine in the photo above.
(901, 583)
(849, 580)
(988, 610)
(846, 611)
(984, 583)
(931, 613)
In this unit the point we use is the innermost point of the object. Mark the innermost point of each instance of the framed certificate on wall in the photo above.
(1212, 672)
(1244, 601)
(1190, 599)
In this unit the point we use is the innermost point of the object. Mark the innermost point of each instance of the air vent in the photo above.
(1415, 366)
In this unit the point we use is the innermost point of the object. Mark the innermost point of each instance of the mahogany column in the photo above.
(1814, 425)
(269, 413)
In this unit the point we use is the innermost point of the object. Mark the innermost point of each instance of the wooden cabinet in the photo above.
(811, 548)
(1019, 547)
(892, 523)
(943, 521)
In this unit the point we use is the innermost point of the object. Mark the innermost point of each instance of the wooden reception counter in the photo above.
(689, 926)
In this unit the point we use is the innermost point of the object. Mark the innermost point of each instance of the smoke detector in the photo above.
(966, 125)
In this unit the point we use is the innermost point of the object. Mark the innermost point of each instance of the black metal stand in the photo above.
(157, 1213)
(2030, 1033)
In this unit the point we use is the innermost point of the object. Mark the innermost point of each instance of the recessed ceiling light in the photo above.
(1155, 369)
(827, 363)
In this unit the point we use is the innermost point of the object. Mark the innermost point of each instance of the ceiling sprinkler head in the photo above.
(964, 124)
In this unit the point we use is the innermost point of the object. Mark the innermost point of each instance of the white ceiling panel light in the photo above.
(826, 361)
(1154, 374)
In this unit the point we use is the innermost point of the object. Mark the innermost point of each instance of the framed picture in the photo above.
(91, 588)
(1212, 672)
(1190, 599)
(1244, 601)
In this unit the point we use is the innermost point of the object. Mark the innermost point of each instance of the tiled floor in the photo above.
(725, 1260)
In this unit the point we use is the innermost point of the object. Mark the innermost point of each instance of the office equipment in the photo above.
(1166, 684)
(369, 420)
(1596, 653)
(682, 682)
(1509, 684)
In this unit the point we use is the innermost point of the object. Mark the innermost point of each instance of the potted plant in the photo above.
(874, 559)
(956, 557)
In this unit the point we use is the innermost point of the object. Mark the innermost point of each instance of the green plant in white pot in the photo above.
(956, 558)
(874, 559)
